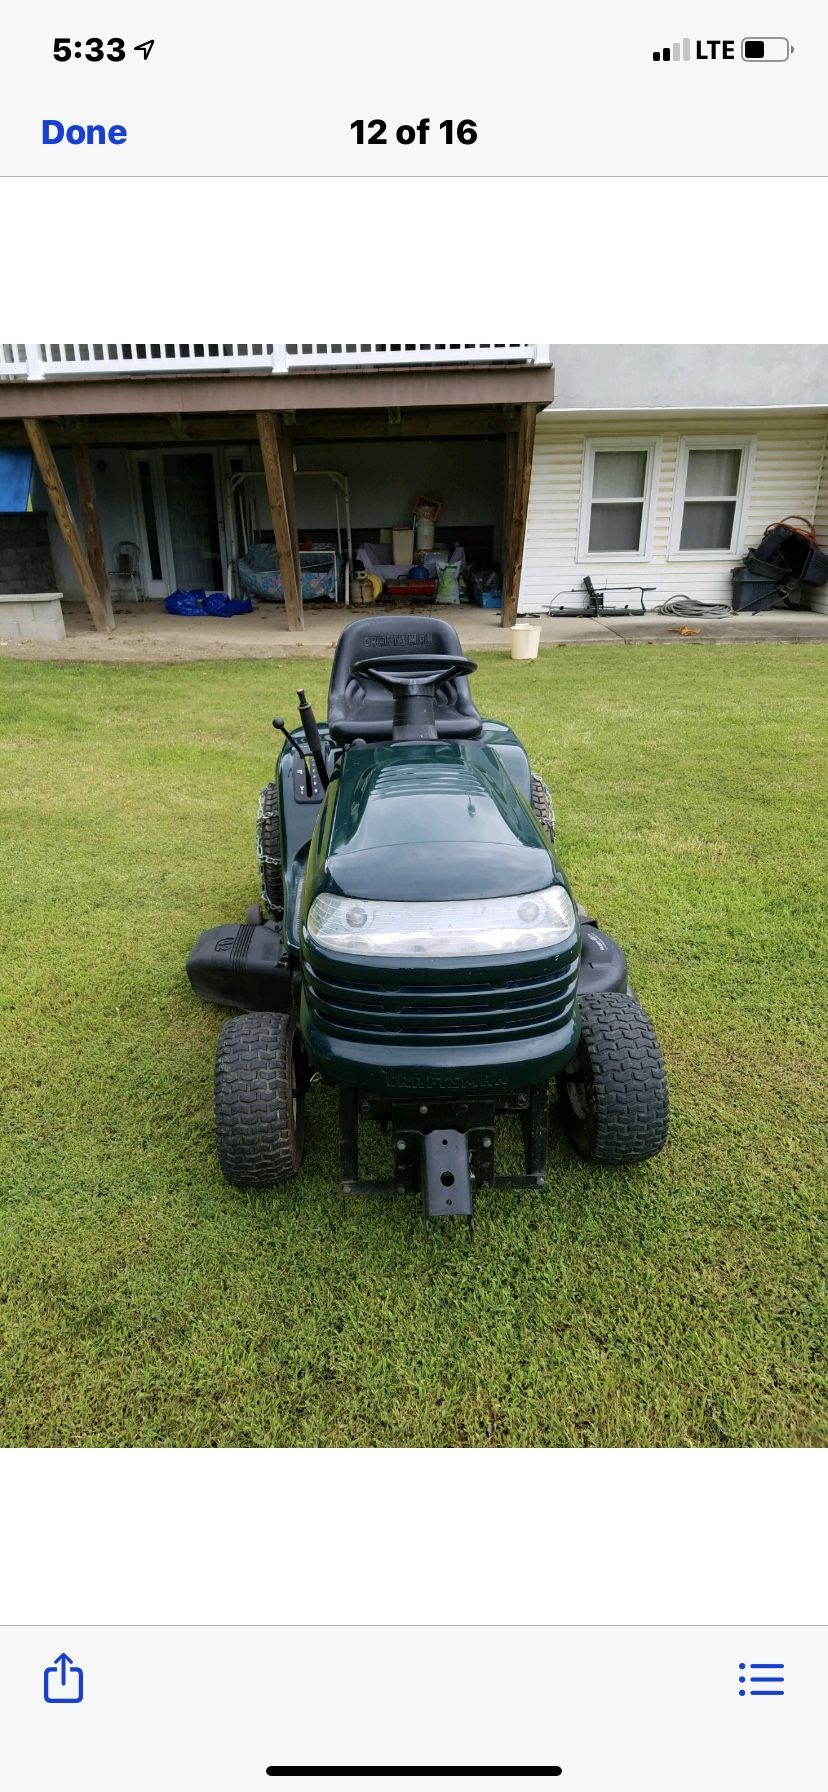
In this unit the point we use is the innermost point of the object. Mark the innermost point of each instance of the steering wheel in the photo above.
(414, 674)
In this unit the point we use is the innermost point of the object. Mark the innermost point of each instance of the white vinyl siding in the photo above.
(819, 599)
(784, 478)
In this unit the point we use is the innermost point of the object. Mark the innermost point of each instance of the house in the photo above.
(657, 466)
(161, 466)
(648, 469)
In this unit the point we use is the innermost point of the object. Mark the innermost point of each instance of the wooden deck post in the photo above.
(509, 463)
(85, 481)
(100, 611)
(277, 460)
(513, 559)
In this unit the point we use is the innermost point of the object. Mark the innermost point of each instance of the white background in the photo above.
(258, 89)
(414, 1537)
(638, 260)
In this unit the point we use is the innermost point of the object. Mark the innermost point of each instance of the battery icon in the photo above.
(765, 49)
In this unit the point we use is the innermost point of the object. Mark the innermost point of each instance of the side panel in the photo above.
(512, 755)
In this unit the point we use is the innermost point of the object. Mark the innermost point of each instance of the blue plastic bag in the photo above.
(185, 603)
(219, 604)
(197, 603)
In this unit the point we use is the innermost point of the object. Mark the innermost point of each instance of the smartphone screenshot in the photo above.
(413, 651)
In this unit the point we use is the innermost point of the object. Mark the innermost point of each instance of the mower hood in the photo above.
(427, 822)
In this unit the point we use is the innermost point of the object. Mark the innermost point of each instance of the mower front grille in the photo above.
(439, 1009)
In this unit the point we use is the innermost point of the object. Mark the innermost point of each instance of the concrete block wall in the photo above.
(25, 554)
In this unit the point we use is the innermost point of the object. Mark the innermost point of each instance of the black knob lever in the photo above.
(279, 723)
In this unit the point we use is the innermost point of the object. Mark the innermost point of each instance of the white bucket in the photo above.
(525, 640)
(402, 545)
(425, 533)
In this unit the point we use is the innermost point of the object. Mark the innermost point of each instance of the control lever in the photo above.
(313, 738)
(279, 723)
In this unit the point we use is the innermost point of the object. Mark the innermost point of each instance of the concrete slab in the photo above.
(145, 633)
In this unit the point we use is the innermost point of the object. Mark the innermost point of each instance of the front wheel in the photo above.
(542, 807)
(259, 1100)
(269, 852)
(613, 1093)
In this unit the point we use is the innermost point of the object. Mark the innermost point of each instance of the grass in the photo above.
(144, 1302)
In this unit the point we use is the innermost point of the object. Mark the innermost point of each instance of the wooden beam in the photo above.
(310, 426)
(402, 389)
(85, 481)
(47, 467)
(285, 447)
(509, 463)
(524, 447)
(424, 426)
(283, 515)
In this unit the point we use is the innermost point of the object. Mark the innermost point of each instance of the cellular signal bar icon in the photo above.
(679, 53)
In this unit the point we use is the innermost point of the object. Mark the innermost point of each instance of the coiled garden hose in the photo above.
(681, 605)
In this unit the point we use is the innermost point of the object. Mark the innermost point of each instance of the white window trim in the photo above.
(649, 445)
(747, 444)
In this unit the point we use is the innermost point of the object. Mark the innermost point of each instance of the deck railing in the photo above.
(77, 360)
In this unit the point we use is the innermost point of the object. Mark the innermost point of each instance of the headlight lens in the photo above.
(442, 929)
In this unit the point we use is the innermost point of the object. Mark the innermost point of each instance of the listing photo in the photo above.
(413, 959)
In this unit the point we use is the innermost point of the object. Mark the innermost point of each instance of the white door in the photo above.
(181, 520)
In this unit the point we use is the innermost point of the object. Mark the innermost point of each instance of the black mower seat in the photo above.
(359, 708)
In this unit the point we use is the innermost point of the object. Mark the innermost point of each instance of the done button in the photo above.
(55, 132)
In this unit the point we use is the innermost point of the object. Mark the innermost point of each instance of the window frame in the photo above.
(747, 447)
(649, 445)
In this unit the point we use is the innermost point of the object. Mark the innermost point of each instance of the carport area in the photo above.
(151, 485)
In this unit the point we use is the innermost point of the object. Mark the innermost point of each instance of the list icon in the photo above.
(762, 1679)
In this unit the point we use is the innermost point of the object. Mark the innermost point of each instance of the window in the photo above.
(616, 499)
(711, 481)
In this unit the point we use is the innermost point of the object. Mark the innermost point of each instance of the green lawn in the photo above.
(144, 1302)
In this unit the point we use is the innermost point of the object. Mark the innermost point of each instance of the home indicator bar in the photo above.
(454, 1773)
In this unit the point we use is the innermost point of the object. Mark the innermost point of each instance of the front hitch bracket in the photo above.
(446, 1175)
(435, 1157)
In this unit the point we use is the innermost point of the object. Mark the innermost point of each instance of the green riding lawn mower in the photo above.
(417, 946)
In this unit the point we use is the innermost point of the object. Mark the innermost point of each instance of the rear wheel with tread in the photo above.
(259, 1100)
(613, 1094)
